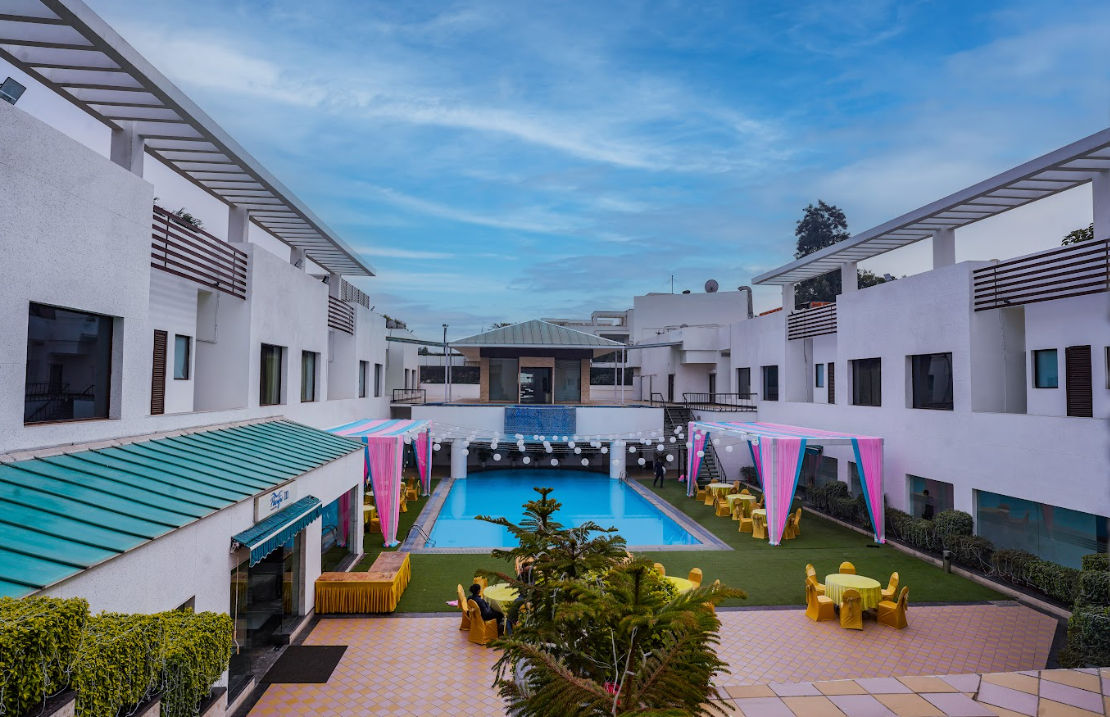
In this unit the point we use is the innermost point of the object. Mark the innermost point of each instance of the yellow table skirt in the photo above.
(372, 591)
(870, 591)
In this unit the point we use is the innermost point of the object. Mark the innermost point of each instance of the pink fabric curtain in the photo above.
(385, 473)
(869, 458)
(423, 444)
(781, 460)
(693, 463)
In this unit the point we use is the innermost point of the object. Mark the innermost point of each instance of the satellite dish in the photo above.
(711, 286)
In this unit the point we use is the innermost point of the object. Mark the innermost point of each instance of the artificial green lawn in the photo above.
(769, 575)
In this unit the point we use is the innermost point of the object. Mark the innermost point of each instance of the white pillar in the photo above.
(788, 297)
(127, 148)
(849, 280)
(238, 224)
(944, 247)
(296, 257)
(334, 282)
(617, 457)
(458, 460)
(1100, 196)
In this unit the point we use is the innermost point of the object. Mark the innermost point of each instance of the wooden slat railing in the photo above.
(191, 253)
(1074, 270)
(811, 322)
(341, 316)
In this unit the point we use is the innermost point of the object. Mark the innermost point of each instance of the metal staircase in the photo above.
(710, 470)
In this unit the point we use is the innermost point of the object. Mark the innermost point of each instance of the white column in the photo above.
(334, 281)
(127, 148)
(296, 257)
(238, 224)
(788, 297)
(617, 458)
(1100, 196)
(944, 248)
(849, 280)
(458, 460)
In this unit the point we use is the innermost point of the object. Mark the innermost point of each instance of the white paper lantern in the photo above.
(701, 454)
(525, 460)
(670, 458)
(632, 449)
(493, 445)
(554, 461)
(519, 436)
(604, 450)
(496, 456)
(577, 450)
(641, 461)
(728, 449)
(547, 447)
(466, 451)
(570, 444)
(585, 462)
(435, 446)
(659, 447)
(672, 439)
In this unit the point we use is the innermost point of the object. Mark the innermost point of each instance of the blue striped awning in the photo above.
(264, 537)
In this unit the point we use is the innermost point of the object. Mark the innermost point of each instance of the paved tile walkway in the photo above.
(425, 666)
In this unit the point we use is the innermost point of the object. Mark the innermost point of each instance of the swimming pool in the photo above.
(584, 497)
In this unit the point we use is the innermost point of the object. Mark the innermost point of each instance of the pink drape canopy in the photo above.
(777, 451)
(384, 444)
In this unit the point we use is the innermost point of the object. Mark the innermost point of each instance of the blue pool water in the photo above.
(585, 496)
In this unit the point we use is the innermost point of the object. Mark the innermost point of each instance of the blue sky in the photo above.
(504, 161)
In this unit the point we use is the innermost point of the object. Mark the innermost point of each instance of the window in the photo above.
(867, 382)
(855, 485)
(308, 376)
(743, 380)
(181, 357)
(929, 497)
(770, 383)
(269, 392)
(931, 376)
(819, 375)
(1107, 366)
(377, 380)
(1046, 373)
(69, 365)
(1052, 533)
(568, 381)
(712, 387)
(363, 375)
(502, 379)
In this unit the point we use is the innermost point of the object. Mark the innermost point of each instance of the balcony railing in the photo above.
(719, 401)
(811, 322)
(410, 395)
(1074, 270)
(341, 316)
(191, 253)
(350, 293)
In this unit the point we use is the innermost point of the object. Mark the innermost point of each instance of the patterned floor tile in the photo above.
(1058, 692)
(909, 705)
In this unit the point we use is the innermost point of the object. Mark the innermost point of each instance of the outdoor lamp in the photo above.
(11, 91)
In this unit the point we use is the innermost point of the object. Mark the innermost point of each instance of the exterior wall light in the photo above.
(11, 91)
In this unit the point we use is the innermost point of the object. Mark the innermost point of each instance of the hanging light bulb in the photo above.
(728, 448)
(466, 451)
(632, 449)
(570, 444)
(659, 447)
(577, 450)
(701, 454)
(670, 458)
(585, 462)
(641, 461)
(604, 450)
(435, 446)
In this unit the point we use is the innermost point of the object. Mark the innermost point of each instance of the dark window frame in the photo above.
(867, 388)
(744, 379)
(819, 375)
(363, 378)
(314, 384)
(770, 391)
(272, 350)
(920, 365)
(101, 357)
(379, 370)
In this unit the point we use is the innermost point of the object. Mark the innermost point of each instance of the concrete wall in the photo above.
(1084, 320)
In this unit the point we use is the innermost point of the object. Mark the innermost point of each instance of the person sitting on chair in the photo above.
(488, 612)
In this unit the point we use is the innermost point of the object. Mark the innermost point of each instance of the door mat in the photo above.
(305, 663)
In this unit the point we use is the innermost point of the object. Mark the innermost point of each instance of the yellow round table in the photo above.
(715, 490)
(870, 591)
(682, 584)
(500, 596)
(746, 502)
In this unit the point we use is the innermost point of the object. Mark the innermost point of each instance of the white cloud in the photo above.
(399, 253)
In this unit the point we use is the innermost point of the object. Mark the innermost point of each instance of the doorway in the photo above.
(670, 388)
(535, 384)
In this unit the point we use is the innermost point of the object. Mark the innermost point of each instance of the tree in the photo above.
(1079, 235)
(499, 325)
(822, 226)
(600, 632)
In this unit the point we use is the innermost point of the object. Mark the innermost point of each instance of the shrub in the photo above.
(1088, 638)
(1056, 581)
(1012, 564)
(196, 650)
(1094, 588)
(844, 507)
(38, 639)
(1096, 561)
(748, 472)
(118, 664)
(972, 551)
(897, 522)
(921, 534)
(824, 495)
(952, 522)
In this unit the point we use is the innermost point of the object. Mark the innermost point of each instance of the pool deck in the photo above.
(417, 537)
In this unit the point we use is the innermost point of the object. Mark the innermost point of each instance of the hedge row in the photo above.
(112, 661)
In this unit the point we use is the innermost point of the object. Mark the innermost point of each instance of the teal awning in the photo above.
(267, 535)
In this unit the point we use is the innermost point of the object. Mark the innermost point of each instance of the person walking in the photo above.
(658, 474)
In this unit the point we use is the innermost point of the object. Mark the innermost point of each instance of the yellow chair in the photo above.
(465, 624)
(482, 582)
(710, 496)
(744, 491)
(661, 570)
(701, 494)
(797, 522)
(891, 587)
(847, 568)
(894, 613)
(722, 508)
(851, 610)
(759, 527)
(811, 577)
(746, 524)
(481, 631)
(818, 607)
(695, 577)
(404, 508)
(735, 486)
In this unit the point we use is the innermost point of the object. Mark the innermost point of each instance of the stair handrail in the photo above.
(420, 532)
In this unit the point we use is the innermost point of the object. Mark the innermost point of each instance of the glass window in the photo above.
(770, 383)
(308, 376)
(502, 379)
(826, 470)
(568, 381)
(929, 497)
(867, 382)
(819, 375)
(377, 380)
(932, 381)
(181, 346)
(1058, 534)
(743, 380)
(855, 486)
(269, 393)
(363, 371)
(69, 365)
(1046, 373)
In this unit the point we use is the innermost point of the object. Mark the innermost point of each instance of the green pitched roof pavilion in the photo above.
(536, 334)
